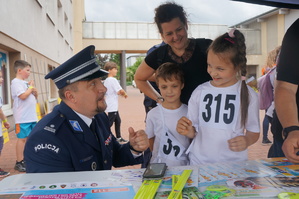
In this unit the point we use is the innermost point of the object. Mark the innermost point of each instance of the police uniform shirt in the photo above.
(62, 141)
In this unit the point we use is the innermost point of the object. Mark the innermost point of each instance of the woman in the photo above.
(190, 54)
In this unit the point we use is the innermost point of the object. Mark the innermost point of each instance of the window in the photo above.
(4, 89)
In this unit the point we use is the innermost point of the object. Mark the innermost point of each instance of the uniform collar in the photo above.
(87, 120)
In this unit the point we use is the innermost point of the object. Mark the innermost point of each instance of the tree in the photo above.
(132, 69)
(102, 59)
(115, 58)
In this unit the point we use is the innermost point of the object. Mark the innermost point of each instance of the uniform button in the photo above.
(61, 115)
(105, 161)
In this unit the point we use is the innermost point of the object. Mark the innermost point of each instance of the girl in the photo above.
(224, 112)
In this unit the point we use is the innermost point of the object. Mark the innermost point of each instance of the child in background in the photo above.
(6, 125)
(24, 97)
(113, 91)
(223, 114)
(266, 92)
(166, 144)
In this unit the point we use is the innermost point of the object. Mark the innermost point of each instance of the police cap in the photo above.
(82, 66)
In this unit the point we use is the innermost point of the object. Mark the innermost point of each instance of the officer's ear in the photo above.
(69, 96)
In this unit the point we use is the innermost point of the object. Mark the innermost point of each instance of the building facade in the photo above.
(39, 32)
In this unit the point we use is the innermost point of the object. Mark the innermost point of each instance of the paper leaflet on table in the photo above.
(219, 172)
(282, 166)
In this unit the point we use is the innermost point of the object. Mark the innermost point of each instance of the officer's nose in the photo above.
(102, 88)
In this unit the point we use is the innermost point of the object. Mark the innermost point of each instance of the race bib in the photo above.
(219, 110)
(170, 148)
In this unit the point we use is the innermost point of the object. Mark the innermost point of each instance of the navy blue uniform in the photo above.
(62, 141)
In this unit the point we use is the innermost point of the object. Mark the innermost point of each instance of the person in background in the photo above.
(190, 54)
(24, 96)
(286, 94)
(76, 135)
(166, 144)
(266, 95)
(6, 125)
(113, 91)
(223, 114)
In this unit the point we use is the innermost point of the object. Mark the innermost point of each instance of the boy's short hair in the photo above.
(110, 65)
(168, 71)
(20, 64)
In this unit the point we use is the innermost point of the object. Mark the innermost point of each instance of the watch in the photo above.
(160, 99)
(289, 129)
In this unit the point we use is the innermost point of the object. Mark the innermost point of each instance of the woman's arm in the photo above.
(144, 73)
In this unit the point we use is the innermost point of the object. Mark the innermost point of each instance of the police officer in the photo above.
(64, 141)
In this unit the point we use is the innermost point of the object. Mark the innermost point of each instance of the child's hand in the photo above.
(238, 143)
(6, 125)
(31, 83)
(34, 92)
(184, 127)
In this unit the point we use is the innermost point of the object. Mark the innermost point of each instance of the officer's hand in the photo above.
(138, 140)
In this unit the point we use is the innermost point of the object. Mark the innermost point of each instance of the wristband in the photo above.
(5, 120)
(289, 129)
(131, 148)
(31, 87)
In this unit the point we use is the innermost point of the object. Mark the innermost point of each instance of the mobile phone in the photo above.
(155, 170)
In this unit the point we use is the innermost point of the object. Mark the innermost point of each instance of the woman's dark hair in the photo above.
(232, 46)
(167, 12)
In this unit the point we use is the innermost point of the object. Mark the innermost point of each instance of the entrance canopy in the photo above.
(293, 4)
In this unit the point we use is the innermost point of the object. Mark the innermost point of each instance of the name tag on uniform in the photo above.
(219, 109)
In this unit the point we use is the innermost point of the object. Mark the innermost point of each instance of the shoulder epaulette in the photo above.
(54, 123)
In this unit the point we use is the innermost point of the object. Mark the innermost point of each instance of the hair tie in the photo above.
(231, 33)
(229, 39)
(243, 78)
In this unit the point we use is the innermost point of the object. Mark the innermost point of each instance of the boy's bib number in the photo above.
(219, 109)
(171, 148)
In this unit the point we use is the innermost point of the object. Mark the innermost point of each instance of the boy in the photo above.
(166, 144)
(113, 90)
(24, 108)
(6, 125)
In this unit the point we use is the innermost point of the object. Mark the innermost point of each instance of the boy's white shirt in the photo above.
(215, 127)
(24, 111)
(155, 128)
(113, 87)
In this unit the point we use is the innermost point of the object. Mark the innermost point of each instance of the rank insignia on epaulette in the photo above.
(76, 126)
(50, 128)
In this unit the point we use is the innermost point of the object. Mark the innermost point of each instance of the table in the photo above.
(264, 178)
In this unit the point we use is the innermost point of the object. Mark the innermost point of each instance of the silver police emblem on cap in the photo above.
(93, 166)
